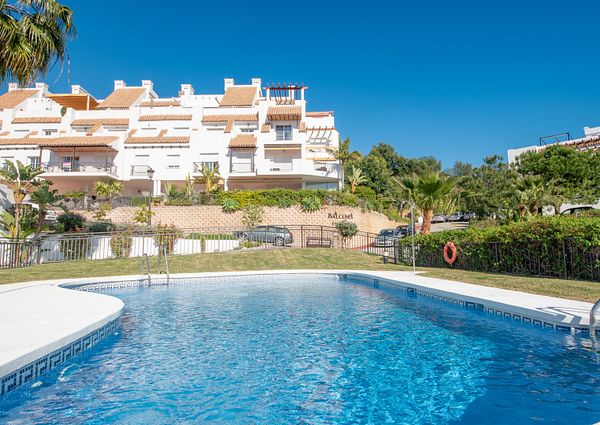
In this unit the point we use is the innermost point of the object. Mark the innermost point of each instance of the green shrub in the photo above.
(120, 244)
(310, 203)
(252, 215)
(71, 222)
(230, 205)
(99, 227)
(166, 236)
(143, 215)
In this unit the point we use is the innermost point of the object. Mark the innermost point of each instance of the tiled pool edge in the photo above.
(50, 361)
(370, 278)
(27, 373)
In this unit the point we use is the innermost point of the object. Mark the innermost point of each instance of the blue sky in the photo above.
(458, 80)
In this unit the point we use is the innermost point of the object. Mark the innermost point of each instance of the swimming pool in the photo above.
(316, 350)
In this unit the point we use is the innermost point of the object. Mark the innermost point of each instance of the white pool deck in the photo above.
(37, 318)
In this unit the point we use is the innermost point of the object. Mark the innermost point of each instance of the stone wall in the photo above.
(197, 217)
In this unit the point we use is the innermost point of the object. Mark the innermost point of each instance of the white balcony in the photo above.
(300, 167)
(79, 168)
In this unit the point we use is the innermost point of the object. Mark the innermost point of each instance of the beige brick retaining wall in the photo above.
(196, 217)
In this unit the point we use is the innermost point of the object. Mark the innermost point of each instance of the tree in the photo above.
(460, 169)
(573, 173)
(210, 177)
(22, 180)
(344, 154)
(531, 194)
(45, 198)
(106, 190)
(491, 186)
(375, 170)
(356, 178)
(430, 193)
(33, 37)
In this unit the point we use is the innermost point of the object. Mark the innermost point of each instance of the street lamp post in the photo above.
(412, 231)
(151, 177)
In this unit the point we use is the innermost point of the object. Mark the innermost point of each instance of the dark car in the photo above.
(404, 230)
(387, 237)
(277, 235)
(576, 210)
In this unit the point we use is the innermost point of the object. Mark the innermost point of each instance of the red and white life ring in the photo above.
(450, 253)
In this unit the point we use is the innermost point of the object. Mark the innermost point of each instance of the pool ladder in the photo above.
(146, 265)
(593, 323)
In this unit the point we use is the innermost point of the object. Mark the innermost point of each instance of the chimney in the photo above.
(257, 82)
(13, 86)
(229, 82)
(119, 84)
(42, 86)
(148, 84)
(75, 89)
(186, 90)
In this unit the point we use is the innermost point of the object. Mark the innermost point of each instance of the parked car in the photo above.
(576, 210)
(277, 235)
(457, 216)
(468, 216)
(404, 230)
(387, 237)
(439, 218)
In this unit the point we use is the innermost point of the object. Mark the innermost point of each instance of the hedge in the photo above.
(567, 247)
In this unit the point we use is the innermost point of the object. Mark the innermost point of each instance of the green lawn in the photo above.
(298, 259)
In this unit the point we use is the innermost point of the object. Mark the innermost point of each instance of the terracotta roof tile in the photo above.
(225, 118)
(265, 128)
(319, 114)
(238, 96)
(160, 103)
(80, 102)
(60, 141)
(160, 139)
(13, 98)
(302, 127)
(122, 98)
(165, 118)
(90, 122)
(284, 113)
(243, 141)
(37, 120)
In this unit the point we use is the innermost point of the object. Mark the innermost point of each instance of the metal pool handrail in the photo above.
(147, 264)
(593, 312)
(164, 254)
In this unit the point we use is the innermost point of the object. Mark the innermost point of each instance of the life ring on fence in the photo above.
(450, 253)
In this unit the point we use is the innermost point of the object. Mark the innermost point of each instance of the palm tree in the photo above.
(33, 37)
(531, 194)
(45, 198)
(343, 152)
(356, 178)
(210, 177)
(22, 180)
(430, 192)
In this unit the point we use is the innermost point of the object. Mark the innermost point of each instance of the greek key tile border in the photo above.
(42, 365)
(380, 283)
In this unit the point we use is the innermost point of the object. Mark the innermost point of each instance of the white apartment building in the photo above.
(590, 141)
(260, 137)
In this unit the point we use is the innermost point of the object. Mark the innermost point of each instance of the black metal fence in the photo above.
(135, 243)
(566, 259)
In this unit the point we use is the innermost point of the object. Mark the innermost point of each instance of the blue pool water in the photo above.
(313, 351)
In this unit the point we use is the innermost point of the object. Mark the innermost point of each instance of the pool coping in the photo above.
(30, 347)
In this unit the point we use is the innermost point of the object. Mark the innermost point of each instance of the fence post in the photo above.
(564, 246)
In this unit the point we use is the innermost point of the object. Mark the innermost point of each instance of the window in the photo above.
(5, 159)
(242, 162)
(48, 132)
(34, 161)
(284, 132)
(173, 161)
(70, 163)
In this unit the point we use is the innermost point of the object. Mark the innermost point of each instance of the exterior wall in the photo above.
(308, 161)
(198, 217)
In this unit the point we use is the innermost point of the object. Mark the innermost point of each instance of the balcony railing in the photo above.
(212, 166)
(241, 168)
(140, 170)
(80, 167)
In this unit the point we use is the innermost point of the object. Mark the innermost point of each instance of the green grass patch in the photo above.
(296, 258)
